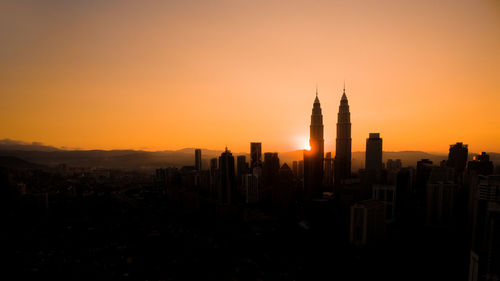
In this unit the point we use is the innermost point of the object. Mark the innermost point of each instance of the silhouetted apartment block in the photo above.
(485, 250)
(367, 222)
(386, 194)
(441, 202)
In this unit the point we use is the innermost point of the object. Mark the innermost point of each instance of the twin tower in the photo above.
(314, 158)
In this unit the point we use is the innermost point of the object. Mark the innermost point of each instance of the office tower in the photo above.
(226, 183)
(251, 187)
(457, 158)
(367, 222)
(328, 169)
(295, 168)
(481, 165)
(284, 191)
(485, 250)
(255, 154)
(241, 167)
(313, 159)
(270, 167)
(404, 187)
(423, 173)
(213, 164)
(373, 157)
(316, 140)
(301, 169)
(197, 159)
(342, 165)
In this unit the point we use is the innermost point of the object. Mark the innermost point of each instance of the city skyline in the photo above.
(183, 77)
(250, 140)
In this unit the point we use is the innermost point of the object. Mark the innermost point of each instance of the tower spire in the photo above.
(344, 86)
(316, 89)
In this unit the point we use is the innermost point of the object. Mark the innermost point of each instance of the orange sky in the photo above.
(161, 75)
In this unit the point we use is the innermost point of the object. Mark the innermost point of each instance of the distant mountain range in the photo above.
(40, 154)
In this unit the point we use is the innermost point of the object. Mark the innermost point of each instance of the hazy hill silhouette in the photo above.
(38, 153)
(12, 162)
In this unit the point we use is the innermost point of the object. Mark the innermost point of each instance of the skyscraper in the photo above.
(373, 157)
(485, 248)
(255, 154)
(213, 164)
(342, 165)
(241, 168)
(197, 159)
(226, 182)
(457, 159)
(270, 167)
(328, 169)
(313, 159)
(295, 168)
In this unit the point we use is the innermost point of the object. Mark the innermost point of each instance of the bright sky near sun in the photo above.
(161, 75)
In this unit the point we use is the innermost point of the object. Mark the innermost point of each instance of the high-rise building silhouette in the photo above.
(213, 164)
(270, 167)
(422, 176)
(197, 159)
(328, 169)
(300, 172)
(241, 168)
(295, 168)
(373, 157)
(251, 188)
(313, 159)
(485, 248)
(457, 158)
(342, 166)
(226, 182)
(367, 222)
(481, 165)
(255, 154)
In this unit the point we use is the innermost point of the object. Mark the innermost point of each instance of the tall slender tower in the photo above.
(342, 166)
(313, 159)
(197, 159)
(316, 140)
(226, 188)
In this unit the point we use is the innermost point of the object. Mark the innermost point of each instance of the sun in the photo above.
(302, 142)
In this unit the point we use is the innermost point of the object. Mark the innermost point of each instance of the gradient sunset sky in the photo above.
(159, 75)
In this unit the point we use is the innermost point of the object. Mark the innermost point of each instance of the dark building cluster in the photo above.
(260, 218)
(379, 204)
